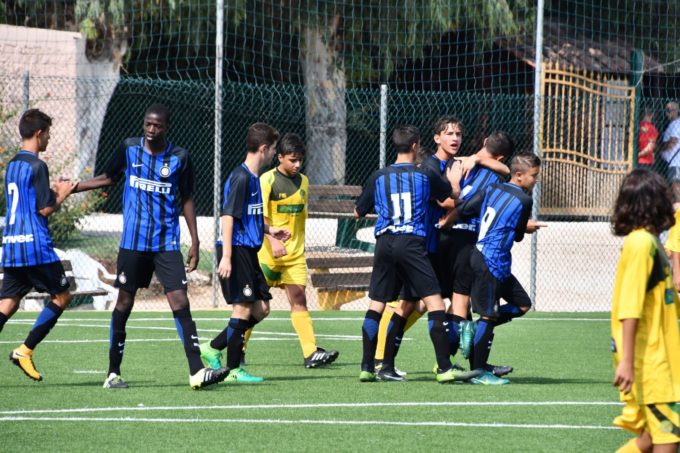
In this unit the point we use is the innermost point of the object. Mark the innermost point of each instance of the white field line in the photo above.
(142, 408)
(306, 422)
(88, 372)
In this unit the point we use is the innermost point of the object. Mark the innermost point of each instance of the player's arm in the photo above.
(366, 201)
(625, 370)
(227, 224)
(467, 208)
(493, 165)
(457, 171)
(523, 221)
(277, 246)
(675, 261)
(113, 172)
(47, 200)
(189, 211)
(62, 190)
(186, 190)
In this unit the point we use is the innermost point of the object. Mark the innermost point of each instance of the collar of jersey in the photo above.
(167, 148)
(403, 164)
(243, 164)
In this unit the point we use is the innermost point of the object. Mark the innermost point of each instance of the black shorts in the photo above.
(407, 292)
(136, 268)
(401, 260)
(452, 261)
(45, 278)
(487, 290)
(246, 284)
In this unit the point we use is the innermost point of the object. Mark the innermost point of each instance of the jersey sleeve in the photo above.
(673, 240)
(235, 192)
(44, 196)
(115, 169)
(187, 179)
(366, 201)
(266, 180)
(439, 187)
(472, 206)
(521, 227)
(636, 262)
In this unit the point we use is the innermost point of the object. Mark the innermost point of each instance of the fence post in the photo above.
(537, 145)
(26, 92)
(383, 125)
(217, 172)
(636, 66)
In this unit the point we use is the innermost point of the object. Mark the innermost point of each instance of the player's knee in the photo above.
(125, 301)
(62, 299)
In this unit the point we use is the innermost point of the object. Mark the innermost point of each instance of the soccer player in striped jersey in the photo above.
(400, 194)
(285, 192)
(159, 180)
(244, 286)
(644, 319)
(28, 256)
(504, 219)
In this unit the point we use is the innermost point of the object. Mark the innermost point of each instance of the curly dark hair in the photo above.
(644, 201)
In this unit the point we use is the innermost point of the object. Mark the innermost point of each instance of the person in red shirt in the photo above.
(647, 140)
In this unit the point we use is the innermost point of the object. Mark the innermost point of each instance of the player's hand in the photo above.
(623, 377)
(192, 258)
(279, 233)
(533, 226)
(676, 279)
(224, 268)
(64, 188)
(467, 163)
(278, 248)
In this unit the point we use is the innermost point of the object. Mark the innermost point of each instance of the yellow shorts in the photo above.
(294, 273)
(660, 420)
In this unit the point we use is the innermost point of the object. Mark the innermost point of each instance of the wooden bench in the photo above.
(339, 279)
(73, 288)
(335, 202)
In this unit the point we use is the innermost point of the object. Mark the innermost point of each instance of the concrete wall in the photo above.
(64, 84)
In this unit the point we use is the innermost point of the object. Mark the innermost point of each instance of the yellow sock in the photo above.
(412, 320)
(246, 337)
(302, 323)
(630, 447)
(382, 334)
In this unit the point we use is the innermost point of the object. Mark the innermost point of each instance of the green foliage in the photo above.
(65, 221)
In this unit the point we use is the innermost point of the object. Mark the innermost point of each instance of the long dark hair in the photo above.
(644, 201)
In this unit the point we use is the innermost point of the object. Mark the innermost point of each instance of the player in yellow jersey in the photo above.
(644, 319)
(285, 192)
(673, 248)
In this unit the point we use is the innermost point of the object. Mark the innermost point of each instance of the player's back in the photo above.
(242, 200)
(477, 180)
(26, 238)
(503, 219)
(400, 194)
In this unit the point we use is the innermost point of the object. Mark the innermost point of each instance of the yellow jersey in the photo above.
(644, 290)
(673, 240)
(284, 201)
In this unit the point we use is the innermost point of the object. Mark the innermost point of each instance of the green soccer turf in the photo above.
(560, 399)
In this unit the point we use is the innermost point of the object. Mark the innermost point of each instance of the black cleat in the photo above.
(207, 376)
(321, 357)
(498, 370)
(389, 374)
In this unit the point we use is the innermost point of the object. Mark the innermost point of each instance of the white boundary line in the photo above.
(143, 408)
(445, 424)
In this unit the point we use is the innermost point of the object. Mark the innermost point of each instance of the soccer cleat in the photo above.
(456, 374)
(114, 382)
(467, 335)
(486, 378)
(211, 356)
(387, 374)
(321, 357)
(367, 376)
(498, 370)
(456, 367)
(378, 366)
(207, 376)
(241, 376)
(23, 358)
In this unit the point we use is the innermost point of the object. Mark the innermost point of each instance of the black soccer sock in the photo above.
(117, 339)
(439, 334)
(235, 333)
(220, 341)
(395, 332)
(186, 328)
(3, 320)
(507, 313)
(454, 332)
(46, 320)
(369, 333)
(482, 343)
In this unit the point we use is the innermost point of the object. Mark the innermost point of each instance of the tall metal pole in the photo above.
(537, 145)
(383, 125)
(26, 90)
(217, 172)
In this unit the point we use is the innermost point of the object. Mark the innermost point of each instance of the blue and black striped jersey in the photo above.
(477, 180)
(26, 238)
(434, 211)
(400, 194)
(155, 186)
(243, 201)
(505, 212)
